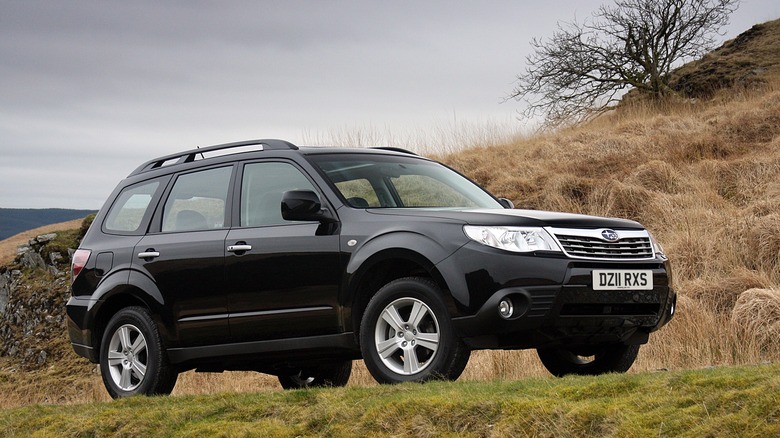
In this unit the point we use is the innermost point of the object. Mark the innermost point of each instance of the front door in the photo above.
(284, 276)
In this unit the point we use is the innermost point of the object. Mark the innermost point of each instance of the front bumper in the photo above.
(554, 303)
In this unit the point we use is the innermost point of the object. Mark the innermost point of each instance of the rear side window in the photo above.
(197, 201)
(128, 211)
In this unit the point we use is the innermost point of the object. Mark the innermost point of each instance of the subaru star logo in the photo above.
(610, 235)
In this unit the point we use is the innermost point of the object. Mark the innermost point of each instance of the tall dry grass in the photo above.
(704, 177)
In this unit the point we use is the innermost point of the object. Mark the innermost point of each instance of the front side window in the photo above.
(262, 187)
(367, 180)
(197, 201)
(127, 213)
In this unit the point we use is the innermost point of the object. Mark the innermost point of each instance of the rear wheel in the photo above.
(132, 357)
(335, 374)
(614, 358)
(406, 334)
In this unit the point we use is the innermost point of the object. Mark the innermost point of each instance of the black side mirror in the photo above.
(506, 203)
(303, 205)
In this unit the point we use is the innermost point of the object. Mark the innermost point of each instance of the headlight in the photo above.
(516, 239)
(657, 249)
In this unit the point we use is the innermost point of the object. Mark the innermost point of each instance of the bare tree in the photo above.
(584, 68)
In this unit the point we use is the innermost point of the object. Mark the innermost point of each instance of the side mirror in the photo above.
(506, 203)
(303, 205)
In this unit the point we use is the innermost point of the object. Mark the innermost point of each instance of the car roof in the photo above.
(197, 154)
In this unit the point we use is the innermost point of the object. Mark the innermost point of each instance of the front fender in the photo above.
(405, 247)
(398, 243)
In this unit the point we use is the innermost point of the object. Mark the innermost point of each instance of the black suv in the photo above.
(292, 261)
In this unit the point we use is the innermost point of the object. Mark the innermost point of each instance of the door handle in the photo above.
(239, 247)
(148, 254)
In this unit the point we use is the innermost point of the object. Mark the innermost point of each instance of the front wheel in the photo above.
(614, 358)
(132, 357)
(406, 334)
(335, 374)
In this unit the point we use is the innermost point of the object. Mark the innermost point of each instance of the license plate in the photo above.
(619, 279)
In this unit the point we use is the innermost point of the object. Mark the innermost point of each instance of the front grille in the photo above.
(632, 245)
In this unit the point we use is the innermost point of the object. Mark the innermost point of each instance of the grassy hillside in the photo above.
(716, 402)
(9, 245)
(16, 220)
(743, 63)
(704, 177)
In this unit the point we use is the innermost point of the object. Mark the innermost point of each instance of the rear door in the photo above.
(184, 254)
(283, 276)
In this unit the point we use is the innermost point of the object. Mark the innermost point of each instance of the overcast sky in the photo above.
(90, 89)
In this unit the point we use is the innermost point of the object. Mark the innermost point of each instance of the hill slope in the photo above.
(17, 220)
(9, 245)
(703, 175)
(748, 61)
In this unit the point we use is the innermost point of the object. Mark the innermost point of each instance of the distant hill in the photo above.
(15, 220)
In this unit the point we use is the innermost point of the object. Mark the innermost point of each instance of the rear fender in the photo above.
(120, 289)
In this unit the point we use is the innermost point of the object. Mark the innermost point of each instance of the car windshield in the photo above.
(390, 181)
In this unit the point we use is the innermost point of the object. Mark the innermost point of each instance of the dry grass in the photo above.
(757, 312)
(703, 177)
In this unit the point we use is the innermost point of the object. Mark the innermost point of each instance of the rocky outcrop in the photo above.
(33, 293)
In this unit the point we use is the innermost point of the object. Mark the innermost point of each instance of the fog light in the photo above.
(505, 308)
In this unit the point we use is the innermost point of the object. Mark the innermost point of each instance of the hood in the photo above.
(506, 217)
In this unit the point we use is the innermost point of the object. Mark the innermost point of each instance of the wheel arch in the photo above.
(138, 290)
(383, 267)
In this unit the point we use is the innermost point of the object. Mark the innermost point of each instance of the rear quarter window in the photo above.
(128, 211)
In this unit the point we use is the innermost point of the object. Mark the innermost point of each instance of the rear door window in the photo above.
(198, 201)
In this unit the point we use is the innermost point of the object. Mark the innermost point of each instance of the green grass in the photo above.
(742, 401)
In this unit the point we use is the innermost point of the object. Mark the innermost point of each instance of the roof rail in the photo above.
(189, 156)
(394, 149)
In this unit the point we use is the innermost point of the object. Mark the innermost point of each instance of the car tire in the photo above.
(406, 334)
(132, 357)
(614, 358)
(330, 375)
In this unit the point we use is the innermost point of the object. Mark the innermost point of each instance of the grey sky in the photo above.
(90, 89)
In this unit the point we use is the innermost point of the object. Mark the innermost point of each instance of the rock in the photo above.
(5, 291)
(32, 260)
(45, 238)
(23, 249)
(55, 257)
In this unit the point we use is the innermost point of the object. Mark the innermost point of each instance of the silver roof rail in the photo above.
(189, 156)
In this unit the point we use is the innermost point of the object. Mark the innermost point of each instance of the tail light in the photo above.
(80, 258)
